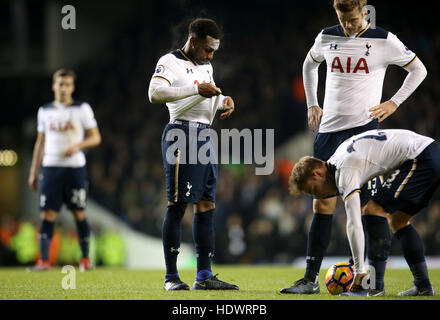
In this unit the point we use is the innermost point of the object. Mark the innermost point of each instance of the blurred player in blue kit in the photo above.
(183, 79)
(65, 128)
(357, 56)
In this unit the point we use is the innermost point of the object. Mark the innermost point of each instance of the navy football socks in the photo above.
(379, 239)
(413, 251)
(45, 237)
(83, 230)
(171, 233)
(203, 236)
(317, 243)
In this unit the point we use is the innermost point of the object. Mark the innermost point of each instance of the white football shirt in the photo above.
(63, 126)
(355, 72)
(179, 71)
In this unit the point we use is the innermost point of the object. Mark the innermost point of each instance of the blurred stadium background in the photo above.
(114, 49)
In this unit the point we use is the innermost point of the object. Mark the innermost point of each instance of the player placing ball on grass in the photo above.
(411, 164)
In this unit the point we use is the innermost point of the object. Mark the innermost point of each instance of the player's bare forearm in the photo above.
(92, 139)
(37, 158)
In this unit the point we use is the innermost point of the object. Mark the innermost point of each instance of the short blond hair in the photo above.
(349, 5)
(64, 73)
(301, 172)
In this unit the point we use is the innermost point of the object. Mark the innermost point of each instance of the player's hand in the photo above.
(33, 181)
(358, 278)
(314, 114)
(208, 90)
(228, 108)
(383, 110)
(71, 150)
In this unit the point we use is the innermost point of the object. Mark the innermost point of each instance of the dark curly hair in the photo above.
(202, 27)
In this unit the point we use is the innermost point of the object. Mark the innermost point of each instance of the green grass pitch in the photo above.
(255, 282)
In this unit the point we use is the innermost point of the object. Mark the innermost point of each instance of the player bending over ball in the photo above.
(411, 163)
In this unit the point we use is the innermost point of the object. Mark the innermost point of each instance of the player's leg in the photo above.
(413, 251)
(46, 232)
(317, 243)
(83, 231)
(319, 235)
(407, 191)
(75, 197)
(51, 200)
(171, 237)
(204, 234)
(324, 146)
(176, 174)
(379, 238)
(48, 218)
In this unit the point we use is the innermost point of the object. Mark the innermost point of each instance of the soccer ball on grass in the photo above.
(339, 278)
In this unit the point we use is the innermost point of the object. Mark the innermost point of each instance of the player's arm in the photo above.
(92, 139)
(310, 78)
(37, 158)
(402, 56)
(355, 232)
(416, 74)
(160, 91)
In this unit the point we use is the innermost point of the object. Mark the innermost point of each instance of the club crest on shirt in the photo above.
(189, 186)
(368, 46)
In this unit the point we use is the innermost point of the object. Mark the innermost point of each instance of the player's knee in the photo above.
(374, 209)
(177, 209)
(397, 224)
(204, 206)
(324, 206)
(79, 215)
(49, 215)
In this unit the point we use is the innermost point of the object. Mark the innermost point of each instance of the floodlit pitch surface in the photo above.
(255, 282)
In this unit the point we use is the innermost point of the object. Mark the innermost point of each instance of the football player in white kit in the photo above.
(65, 127)
(411, 163)
(357, 57)
(183, 79)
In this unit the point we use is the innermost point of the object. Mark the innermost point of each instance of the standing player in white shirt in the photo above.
(183, 79)
(412, 164)
(65, 127)
(357, 57)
